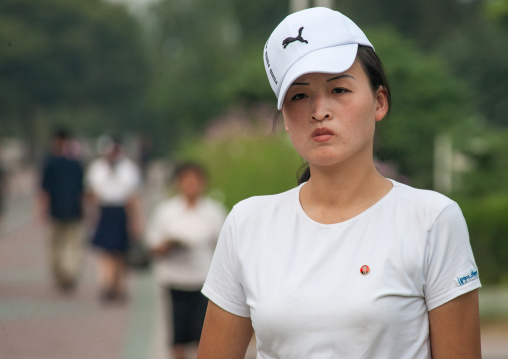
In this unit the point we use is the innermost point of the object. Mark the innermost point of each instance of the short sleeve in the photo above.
(451, 269)
(222, 285)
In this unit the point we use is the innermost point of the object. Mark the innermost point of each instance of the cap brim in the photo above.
(328, 60)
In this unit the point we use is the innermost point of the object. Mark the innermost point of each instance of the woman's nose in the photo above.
(321, 109)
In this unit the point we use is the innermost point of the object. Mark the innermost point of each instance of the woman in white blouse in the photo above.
(349, 264)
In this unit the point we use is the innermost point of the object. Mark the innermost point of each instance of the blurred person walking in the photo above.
(182, 234)
(113, 181)
(60, 204)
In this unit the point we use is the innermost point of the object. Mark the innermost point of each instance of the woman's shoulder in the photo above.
(170, 204)
(213, 205)
(126, 164)
(421, 198)
(98, 162)
(97, 169)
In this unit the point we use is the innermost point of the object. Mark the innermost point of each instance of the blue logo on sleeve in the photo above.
(466, 277)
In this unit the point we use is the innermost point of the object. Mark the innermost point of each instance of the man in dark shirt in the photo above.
(61, 202)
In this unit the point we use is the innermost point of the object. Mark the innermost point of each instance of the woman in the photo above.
(113, 181)
(349, 264)
(182, 233)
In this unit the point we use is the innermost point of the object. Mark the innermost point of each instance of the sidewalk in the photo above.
(38, 322)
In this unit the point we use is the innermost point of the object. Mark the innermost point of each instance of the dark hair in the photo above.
(61, 134)
(375, 71)
(190, 166)
(114, 138)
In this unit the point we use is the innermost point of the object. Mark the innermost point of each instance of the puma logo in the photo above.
(289, 40)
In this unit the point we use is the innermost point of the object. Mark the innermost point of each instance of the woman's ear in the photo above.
(381, 103)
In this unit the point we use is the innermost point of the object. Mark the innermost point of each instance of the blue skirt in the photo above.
(112, 233)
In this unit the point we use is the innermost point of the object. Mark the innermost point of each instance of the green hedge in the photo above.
(241, 166)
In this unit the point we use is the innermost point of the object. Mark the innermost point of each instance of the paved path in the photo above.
(37, 322)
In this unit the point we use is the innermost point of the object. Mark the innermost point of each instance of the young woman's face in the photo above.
(330, 118)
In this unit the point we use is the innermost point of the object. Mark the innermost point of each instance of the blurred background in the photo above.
(184, 79)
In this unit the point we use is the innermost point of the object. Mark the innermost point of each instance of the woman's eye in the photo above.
(340, 90)
(298, 96)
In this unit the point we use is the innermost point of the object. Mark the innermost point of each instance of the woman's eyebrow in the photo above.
(339, 77)
(333, 78)
(300, 83)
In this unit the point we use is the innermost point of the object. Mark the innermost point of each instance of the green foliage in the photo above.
(211, 59)
(488, 228)
(247, 83)
(478, 56)
(245, 166)
(70, 56)
(427, 100)
(486, 151)
(259, 18)
(497, 10)
(465, 34)
(426, 22)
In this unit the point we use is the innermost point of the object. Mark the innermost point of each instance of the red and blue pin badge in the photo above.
(364, 270)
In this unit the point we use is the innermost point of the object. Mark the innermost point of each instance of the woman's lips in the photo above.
(322, 134)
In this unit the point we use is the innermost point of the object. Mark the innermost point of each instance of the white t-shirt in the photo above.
(197, 228)
(301, 284)
(113, 186)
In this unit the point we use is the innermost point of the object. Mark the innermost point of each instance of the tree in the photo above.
(470, 36)
(209, 60)
(74, 55)
(427, 100)
(497, 10)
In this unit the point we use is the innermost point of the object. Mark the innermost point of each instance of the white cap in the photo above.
(312, 40)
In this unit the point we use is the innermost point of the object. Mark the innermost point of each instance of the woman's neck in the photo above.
(335, 195)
